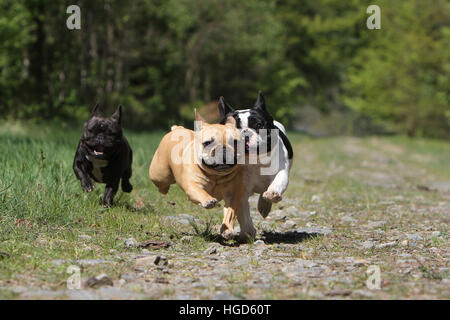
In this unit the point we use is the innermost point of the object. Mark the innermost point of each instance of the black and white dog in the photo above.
(268, 139)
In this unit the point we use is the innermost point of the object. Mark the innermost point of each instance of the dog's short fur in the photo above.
(270, 186)
(189, 159)
(104, 155)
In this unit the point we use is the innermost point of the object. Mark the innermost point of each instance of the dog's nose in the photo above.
(100, 138)
(229, 155)
(218, 152)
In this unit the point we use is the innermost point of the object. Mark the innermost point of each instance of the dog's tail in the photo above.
(176, 127)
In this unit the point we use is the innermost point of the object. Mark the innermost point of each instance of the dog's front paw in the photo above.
(272, 196)
(225, 229)
(229, 234)
(106, 202)
(211, 203)
(87, 185)
(247, 237)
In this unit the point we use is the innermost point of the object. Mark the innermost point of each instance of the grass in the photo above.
(43, 211)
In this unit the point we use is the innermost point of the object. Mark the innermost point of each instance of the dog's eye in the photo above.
(206, 143)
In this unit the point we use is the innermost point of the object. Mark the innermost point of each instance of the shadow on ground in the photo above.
(269, 237)
(291, 237)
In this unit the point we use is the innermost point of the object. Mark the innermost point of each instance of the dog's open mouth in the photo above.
(219, 166)
(247, 146)
(98, 150)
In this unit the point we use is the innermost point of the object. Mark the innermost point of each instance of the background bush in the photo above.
(160, 58)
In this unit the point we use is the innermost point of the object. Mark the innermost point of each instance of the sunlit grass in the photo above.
(43, 210)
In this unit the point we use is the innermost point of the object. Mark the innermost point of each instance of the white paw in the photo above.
(272, 196)
(228, 235)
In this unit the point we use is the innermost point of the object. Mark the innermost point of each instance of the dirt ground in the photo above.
(362, 219)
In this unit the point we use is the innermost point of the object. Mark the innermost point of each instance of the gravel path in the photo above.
(328, 242)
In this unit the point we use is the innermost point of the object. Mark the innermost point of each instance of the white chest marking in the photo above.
(97, 165)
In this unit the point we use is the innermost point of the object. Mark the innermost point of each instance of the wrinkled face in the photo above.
(255, 126)
(218, 146)
(101, 136)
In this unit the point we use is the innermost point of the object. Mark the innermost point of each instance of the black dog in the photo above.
(104, 155)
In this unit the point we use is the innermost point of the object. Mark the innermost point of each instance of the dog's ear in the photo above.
(118, 114)
(198, 117)
(260, 102)
(231, 121)
(224, 108)
(95, 110)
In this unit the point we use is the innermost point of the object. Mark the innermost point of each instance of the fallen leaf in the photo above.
(139, 202)
(4, 255)
(161, 280)
(360, 262)
(147, 261)
(338, 293)
(312, 181)
(98, 281)
(154, 244)
(423, 188)
(26, 223)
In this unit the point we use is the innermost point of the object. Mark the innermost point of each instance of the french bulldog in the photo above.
(204, 164)
(271, 177)
(103, 155)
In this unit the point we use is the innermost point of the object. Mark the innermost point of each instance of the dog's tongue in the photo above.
(99, 148)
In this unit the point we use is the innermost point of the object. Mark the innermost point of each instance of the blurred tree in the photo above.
(321, 38)
(402, 76)
(160, 58)
(15, 36)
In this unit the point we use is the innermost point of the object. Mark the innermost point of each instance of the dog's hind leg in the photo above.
(264, 206)
(229, 218)
(162, 188)
(231, 210)
(163, 180)
(248, 231)
(160, 173)
(126, 185)
(110, 192)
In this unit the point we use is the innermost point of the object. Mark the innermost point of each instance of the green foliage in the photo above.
(161, 58)
(402, 76)
(15, 34)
